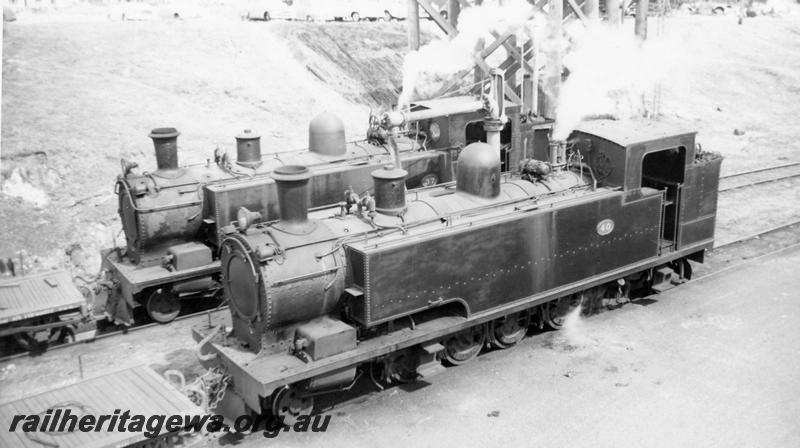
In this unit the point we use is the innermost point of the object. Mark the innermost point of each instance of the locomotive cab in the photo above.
(520, 135)
(651, 155)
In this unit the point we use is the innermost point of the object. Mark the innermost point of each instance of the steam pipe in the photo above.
(493, 103)
(493, 124)
(399, 118)
(527, 93)
(497, 96)
(558, 154)
(493, 128)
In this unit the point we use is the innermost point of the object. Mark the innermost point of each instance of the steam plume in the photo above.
(431, 63)
(611, 72)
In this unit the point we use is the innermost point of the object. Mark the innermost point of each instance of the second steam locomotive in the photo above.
(175, 217)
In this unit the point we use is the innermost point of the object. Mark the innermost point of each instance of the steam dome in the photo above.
(326, 135)
(478, 170)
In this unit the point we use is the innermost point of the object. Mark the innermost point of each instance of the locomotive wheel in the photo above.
(683, 268)
(464, 345)
(26, 341)
(617, 294)
(509, 330)
(555, 312)
(163, 306)
(401, 368)
(289, 403)
(66, 335)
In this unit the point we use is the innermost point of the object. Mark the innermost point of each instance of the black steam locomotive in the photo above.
(398, 281)
(174, 217)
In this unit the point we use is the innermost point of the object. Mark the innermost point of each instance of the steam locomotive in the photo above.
(175, 217)
(394, 283)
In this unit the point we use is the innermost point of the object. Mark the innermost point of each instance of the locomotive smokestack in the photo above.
(293, 193)
(248, 149)
(390, 190)
(326, 135)
(165, 141)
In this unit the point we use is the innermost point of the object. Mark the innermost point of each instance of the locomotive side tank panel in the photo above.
(328, 187)
(505, 259)
(224, 200)
(158, 210)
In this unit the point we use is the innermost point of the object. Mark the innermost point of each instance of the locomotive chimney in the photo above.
(165, 141)
(326, 135)
(390, 190)
(478, 171)
(293, 193)
(248, 149)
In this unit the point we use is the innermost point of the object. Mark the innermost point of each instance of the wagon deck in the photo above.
(38, 295)
(139, 390)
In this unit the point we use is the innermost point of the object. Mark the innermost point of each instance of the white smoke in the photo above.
(574, 330)
(611, 72)
(425, 68)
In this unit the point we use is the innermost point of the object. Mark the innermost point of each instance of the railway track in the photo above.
(112, 333)
(759, 176)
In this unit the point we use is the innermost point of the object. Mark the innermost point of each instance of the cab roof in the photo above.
(631, 132)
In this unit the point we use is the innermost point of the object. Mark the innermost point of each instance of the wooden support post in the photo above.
(453, 10)
(528, 93)
(592, 9)
(613, 13)
(511, 73)
(642, 7)
(412, 20)
(553, 73)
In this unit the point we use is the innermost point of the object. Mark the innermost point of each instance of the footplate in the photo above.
(664, 279)
(429, 363)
